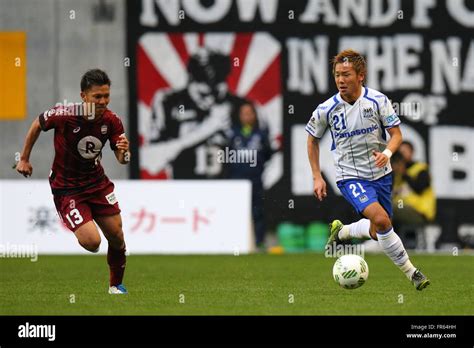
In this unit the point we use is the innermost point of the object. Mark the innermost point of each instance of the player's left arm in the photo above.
(382, 158)
(122, 151)
(391, 122)
(119, 143)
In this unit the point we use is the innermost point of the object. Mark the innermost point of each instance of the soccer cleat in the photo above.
(118, 290)
(334, 228)
(419, 280)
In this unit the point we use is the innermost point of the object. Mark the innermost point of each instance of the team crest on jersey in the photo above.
(363, 198)
(103, 129)
(367, 112)
(89, 147)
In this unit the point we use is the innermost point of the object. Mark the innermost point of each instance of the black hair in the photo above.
(94, 77)
(209, 67)
(397, 157)
(410, 145)
(252, 106)
(254, 109)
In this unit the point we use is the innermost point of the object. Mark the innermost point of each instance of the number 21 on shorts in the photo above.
(355, 189)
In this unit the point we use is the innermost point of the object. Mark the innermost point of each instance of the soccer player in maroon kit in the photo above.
(82, 192)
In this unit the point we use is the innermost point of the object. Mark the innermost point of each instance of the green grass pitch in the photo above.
(291, 284)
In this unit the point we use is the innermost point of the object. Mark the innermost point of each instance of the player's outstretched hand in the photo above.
(380, 159)
(24, 168)
(320, 188)
(122, 143)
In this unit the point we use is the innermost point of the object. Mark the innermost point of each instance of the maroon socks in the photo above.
(116, 260)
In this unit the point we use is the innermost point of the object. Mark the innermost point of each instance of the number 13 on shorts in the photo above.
(74, 217)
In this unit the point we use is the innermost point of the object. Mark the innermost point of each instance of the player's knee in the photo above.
(116, 238)
(382, 222)
(115, 230)
(117, 234)
(91, 244)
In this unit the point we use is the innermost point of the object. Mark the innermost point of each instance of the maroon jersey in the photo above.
(78, 144)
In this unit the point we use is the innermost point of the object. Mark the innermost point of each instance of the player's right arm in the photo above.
(313, 155)
(24, 166)
(316, 128)
(50, 119)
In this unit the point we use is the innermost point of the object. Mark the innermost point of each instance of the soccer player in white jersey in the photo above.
(358, 119)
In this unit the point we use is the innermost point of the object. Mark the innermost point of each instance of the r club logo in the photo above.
(163, 68)
(89, 147)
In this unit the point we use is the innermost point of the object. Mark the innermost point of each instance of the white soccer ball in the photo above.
(350, 271)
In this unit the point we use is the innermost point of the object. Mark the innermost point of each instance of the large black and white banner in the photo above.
(275, 55)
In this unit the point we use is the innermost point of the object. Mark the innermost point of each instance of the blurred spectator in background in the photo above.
(248, 137)
(188, 126)
(414, 200)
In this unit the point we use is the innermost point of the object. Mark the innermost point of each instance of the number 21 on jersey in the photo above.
(339, 120)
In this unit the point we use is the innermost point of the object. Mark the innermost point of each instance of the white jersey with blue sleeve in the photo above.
(357, 130)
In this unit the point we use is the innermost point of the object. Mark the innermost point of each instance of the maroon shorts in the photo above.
(80, 208)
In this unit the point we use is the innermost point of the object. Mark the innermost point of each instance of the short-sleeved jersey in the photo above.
(78, 144)
(357, 130)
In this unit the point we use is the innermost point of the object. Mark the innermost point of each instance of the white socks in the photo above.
(359, 230)
(390, 242)
(393, 247)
